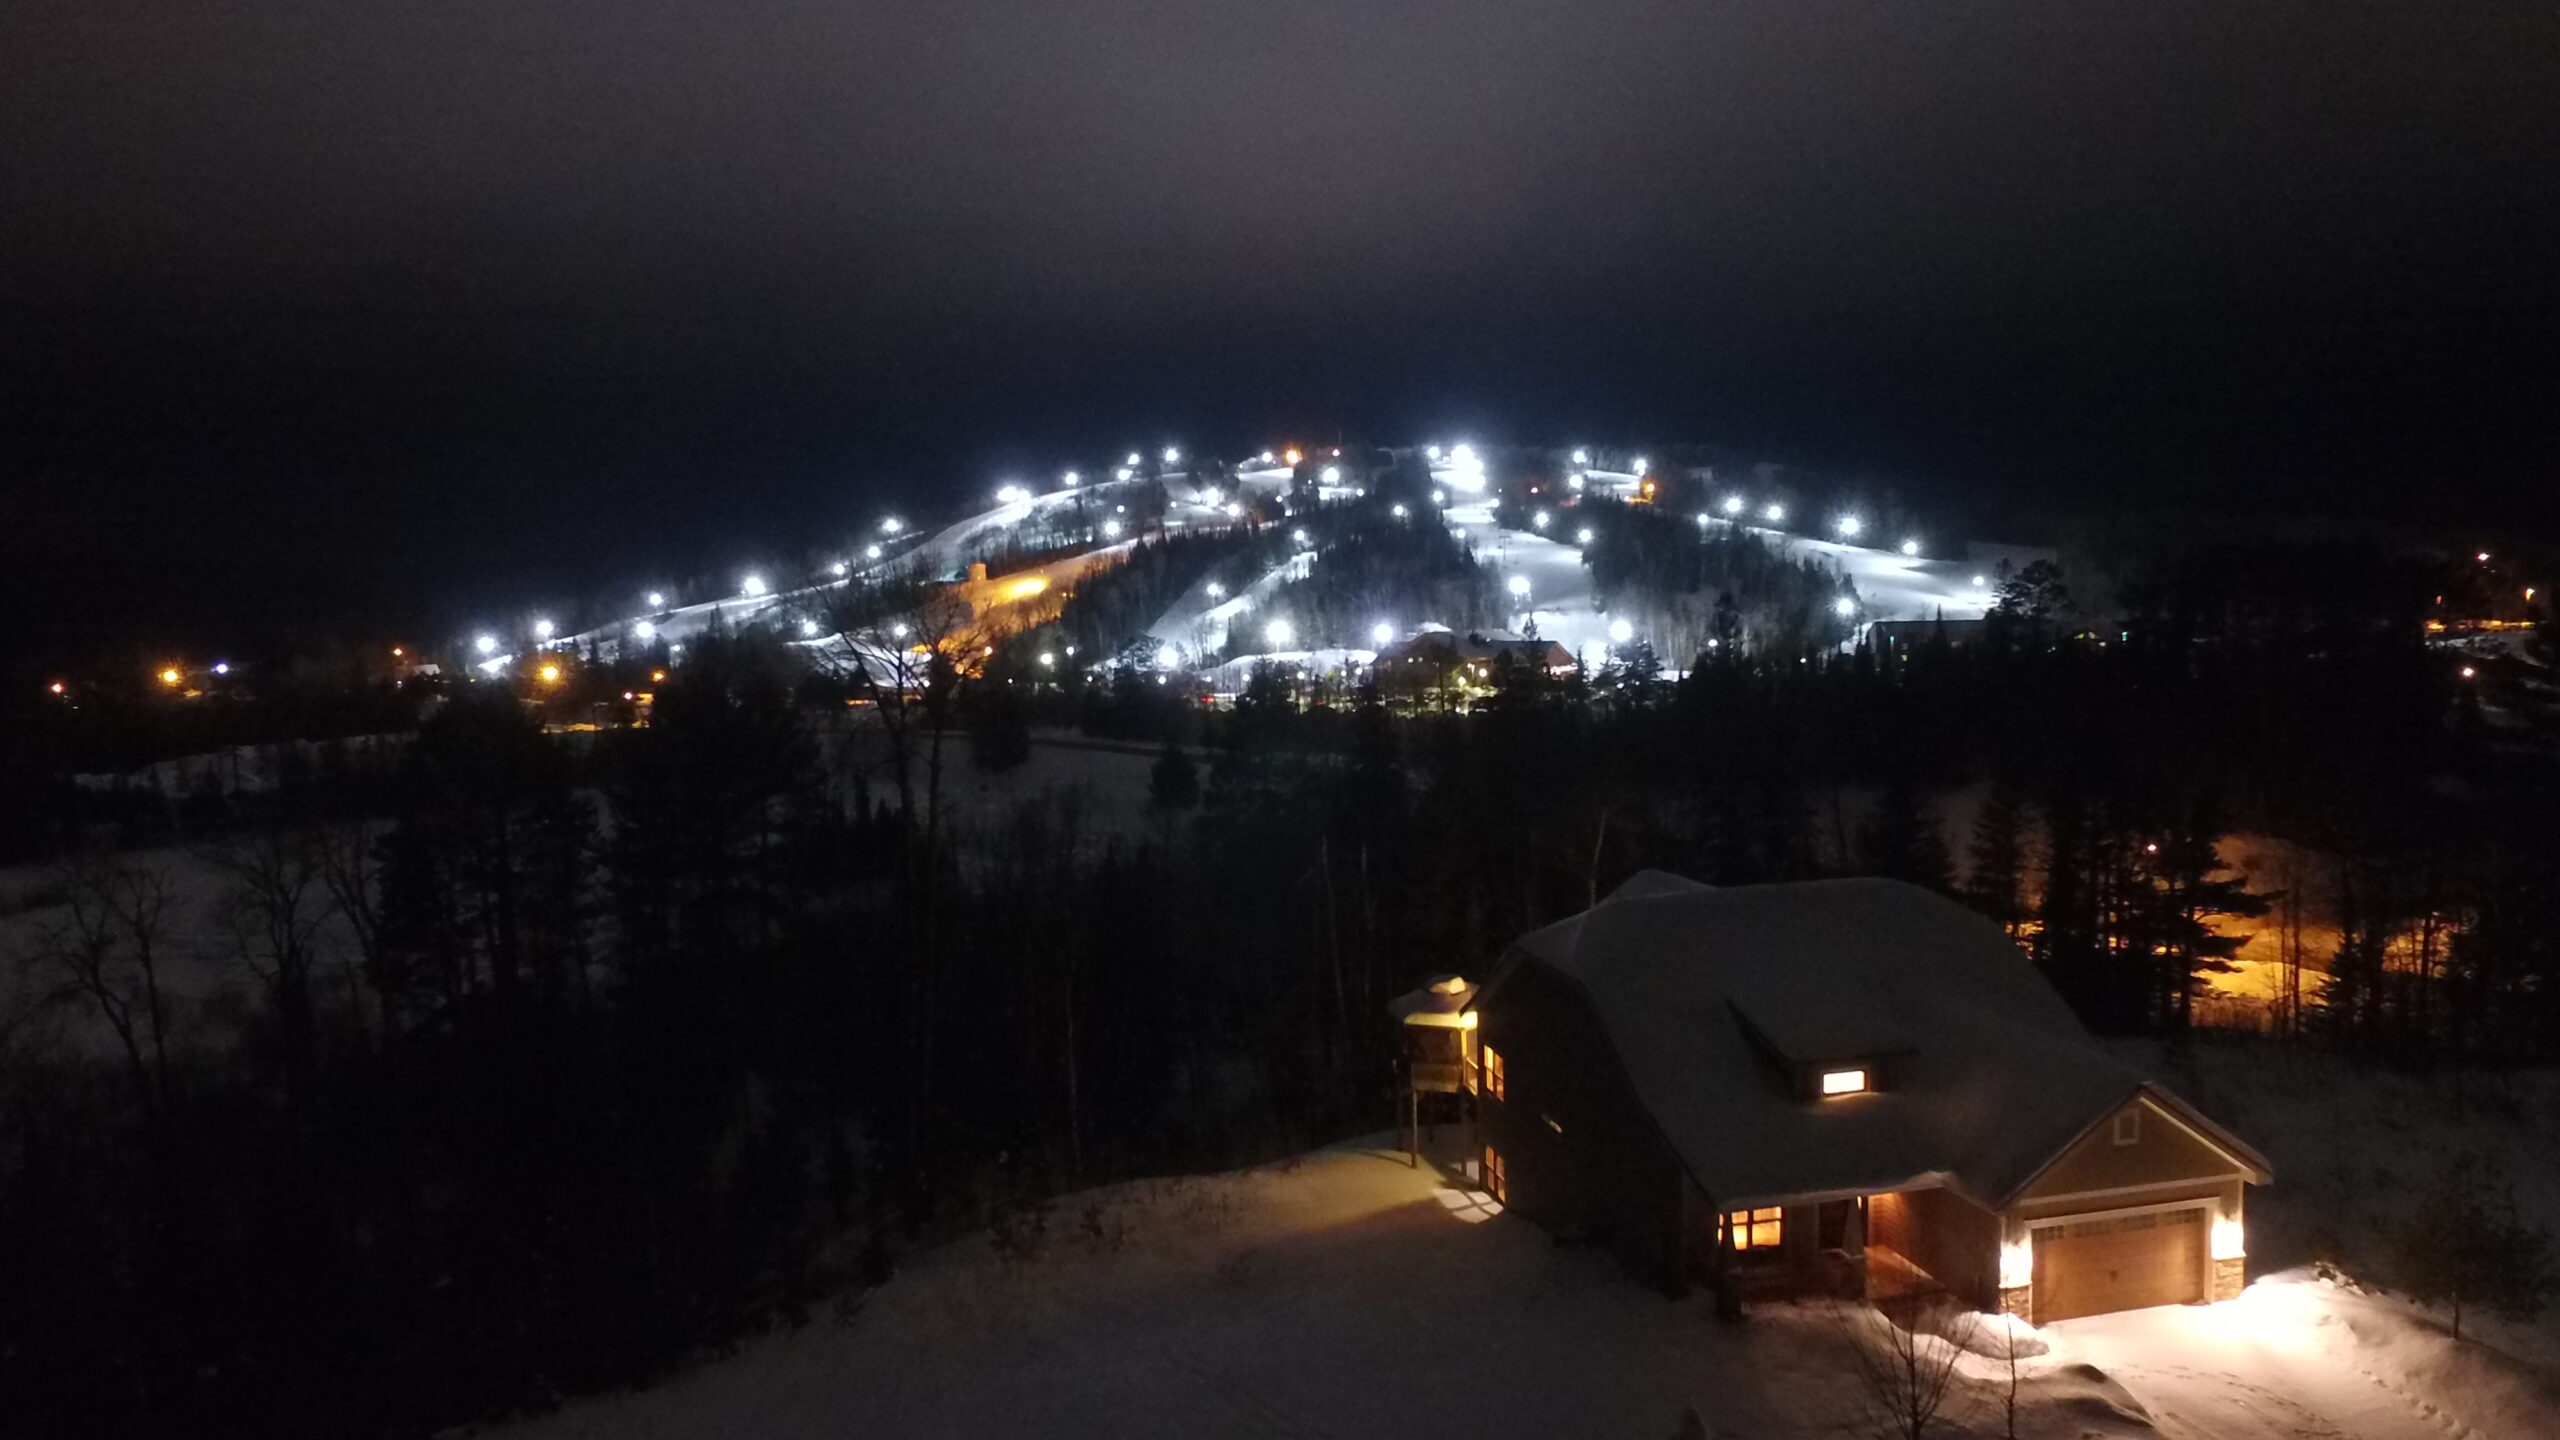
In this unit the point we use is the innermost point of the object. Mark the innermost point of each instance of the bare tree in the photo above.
(1903, 1362)
(273, 910)
(106, 954)
(350, 870)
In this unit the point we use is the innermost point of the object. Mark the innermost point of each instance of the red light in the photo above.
(58, 688)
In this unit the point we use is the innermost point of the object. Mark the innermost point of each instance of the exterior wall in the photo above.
(1955, 1240)
(2165, 1151)
(1581, 1156)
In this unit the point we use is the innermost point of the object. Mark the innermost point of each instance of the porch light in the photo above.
(1843, 1082)
(2229, 1241)
(2017, 1263)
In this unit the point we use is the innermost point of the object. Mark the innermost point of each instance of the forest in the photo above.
(649, 1043)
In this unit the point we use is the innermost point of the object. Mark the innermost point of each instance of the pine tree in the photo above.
(1174, 782)
(2180, 890)
(1995, 872)
(1903, 839)
(2466, 1243)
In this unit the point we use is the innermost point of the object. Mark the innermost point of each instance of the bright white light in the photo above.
(1048, 659)
(1209, 495)
(1071, 479)
(486, 644)
(644, 630)
(1703, 518)
(1850, 525)
(2482, 557)
(1134, 459)
(1910, 547)
(1266, 457)
(1332, 475)
(1298, 535)
(1438, 498)
(1111, 529)
(1234, 510)
(1519, 585)
(1541, 519)
(1279, 632)
(1012, 495)
(1581, 457)
(2229, 1241)
(1575, 482)
(222, 667)
(2017, 1264)
(841, 569)
(1432, 452)
(1641, 467)
(1399, 512)
(1844, 607)
(1979, 582)
(1216, 590)
(808, 627)
(1123, 473)
(898, 631)
(1621, 631)
(657, 601)
(1582, 536)
(1774, 514)
(1733, 504)
(871, 552)
(541, 629)
(1382, 632)
(753, 585)
(1168, 657)
(892, 525)
(1171, 455)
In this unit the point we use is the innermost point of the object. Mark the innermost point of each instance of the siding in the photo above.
(1955, 1240)
(1582, 1157)
(2165, 1152)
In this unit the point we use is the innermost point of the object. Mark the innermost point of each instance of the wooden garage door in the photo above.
(2119, 1262)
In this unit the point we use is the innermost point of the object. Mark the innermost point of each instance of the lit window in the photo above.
(1843, 1082)
(1493, 1072)
(1496, 1184)
(2129, 1128)
(1754, 1229)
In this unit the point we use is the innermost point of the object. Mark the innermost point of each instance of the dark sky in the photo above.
(395, 306)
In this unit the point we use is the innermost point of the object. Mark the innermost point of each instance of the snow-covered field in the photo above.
(1349, 1295)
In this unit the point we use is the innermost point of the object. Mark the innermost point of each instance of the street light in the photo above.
(1844, 607)
(754, 586)
(550, 674)
(1850, 526)
(1581, 457)
(1216, 590)
(841, 569)
(1134, 459)
(1399, 514)
(1279, 632)
(1733, 504)
(1171, 455)
(1539, 520)
(486, 644)
(1111, 529)
(808, 627)
(1775, 513)
(645, 630)
(1911, 547)
(657, 601)
(1583, 535)
(1332, 475)
(871, 552)
(541, 629)
(1621, 631)
(892, 525)
(1071, 479)
(1519, 586)
(1641, 467)
(1167, 657)
(1382, 632)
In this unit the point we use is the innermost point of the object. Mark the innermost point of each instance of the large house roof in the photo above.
(1991, 1076)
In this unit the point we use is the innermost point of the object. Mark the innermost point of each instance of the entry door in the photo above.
(2101, 1263)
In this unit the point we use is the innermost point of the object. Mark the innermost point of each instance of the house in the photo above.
(1436, 654)
(1847, 1087)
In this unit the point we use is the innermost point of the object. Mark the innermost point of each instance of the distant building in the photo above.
(1903, 636)
(1436, 652)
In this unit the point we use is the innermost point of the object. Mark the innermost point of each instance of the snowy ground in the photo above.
(1349, 1295)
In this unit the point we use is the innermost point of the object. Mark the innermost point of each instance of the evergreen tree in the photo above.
(2464, 1242)
(1903, 839)
(1173, 783)
(1996, 859)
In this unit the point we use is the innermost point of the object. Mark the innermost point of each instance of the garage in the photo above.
(2125, 1260)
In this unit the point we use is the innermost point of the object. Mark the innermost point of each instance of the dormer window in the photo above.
(1843, 1082)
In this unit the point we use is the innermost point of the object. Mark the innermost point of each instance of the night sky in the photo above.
(385, 310)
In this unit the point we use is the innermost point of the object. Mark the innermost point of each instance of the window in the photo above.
(1754, 1229)
(1493, 1072)
(1843, 1082)
(2129, 1128)
(1496, 1184)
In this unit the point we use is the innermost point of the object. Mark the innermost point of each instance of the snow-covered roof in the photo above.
(1990, 1075)
(1446, 1000)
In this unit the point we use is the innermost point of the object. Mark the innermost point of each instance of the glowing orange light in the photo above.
(1291, 455)
(657, 675)
(1024, 589)
(170, 676)
(550, 674)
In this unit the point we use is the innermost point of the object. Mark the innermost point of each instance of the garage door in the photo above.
(2119, 1262)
